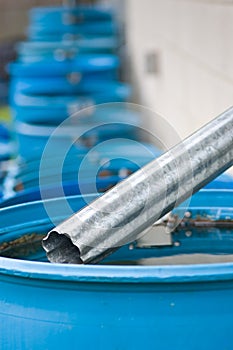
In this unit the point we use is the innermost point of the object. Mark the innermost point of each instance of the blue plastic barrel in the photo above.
(87, 84)
(80, 137)
(4, 132)
(68, 15)
(55, 109)
(80, 64)
(7, 150)
(32, 140)
(124, 307)
(108, 166)
(53, 190)
(116, 153)
(37, 51)
(64, 32)
(50, 22)
(46, 23)
(7, 147)
(224, 181)
(70, 172)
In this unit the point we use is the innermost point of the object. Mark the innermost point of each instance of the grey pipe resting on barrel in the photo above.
(124, 212)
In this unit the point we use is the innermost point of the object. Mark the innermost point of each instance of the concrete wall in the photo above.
(192, 41)
(14, 15)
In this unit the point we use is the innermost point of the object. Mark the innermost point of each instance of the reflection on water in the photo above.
(25, 247)
(182, 259)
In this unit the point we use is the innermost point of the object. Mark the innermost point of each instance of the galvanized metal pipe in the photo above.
(121, 214)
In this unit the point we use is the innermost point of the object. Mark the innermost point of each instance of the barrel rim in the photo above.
(116, 274)
(166, 274)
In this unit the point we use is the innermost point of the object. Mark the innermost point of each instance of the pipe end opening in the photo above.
(60, 249)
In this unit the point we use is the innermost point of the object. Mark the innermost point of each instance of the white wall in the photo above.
(194, 43)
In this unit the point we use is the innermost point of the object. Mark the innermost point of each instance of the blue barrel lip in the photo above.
(91, 40)
(89, 85)
(224, 181)
(65, 133)
(68, 104)
(25, 196)
(116, 274)
(107, 27)
(101, 41)
(85, 62)
(118, 148)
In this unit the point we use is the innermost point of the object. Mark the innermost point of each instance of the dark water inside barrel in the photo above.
(181, 259)
(29, 247)
(25, 247)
